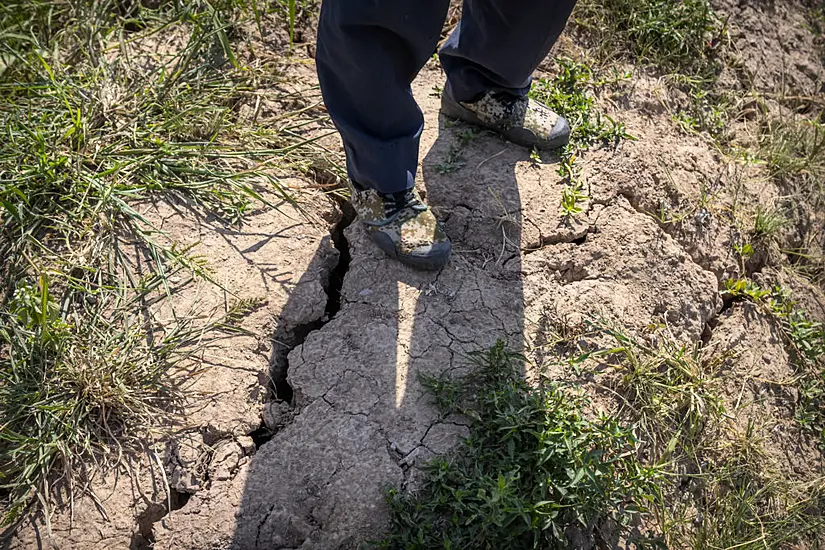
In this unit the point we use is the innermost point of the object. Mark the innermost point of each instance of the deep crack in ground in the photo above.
(336, 276)
(279, 387)
(144, 537)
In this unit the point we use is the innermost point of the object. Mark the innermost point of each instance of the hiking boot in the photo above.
(402, 226)
(521, 120)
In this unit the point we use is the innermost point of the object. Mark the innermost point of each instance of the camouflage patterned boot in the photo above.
(402, 226)
(519, 119)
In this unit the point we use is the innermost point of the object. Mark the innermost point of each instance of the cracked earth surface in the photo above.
(363, 419)
(359, 421)
(308, 467)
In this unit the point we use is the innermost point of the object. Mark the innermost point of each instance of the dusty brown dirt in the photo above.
(774, 43)
(760, 390)
(250, 470)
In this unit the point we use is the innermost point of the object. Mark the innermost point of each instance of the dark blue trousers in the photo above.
(369, 52)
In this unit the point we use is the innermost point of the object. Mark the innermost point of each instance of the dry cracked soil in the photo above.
(294, 429)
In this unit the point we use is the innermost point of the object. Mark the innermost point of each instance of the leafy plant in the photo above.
(532, 469)
(744, 288)
(571, 94)
(535, 157)
(452, 161)
(706, 111)
(745, 251)
(571, 198)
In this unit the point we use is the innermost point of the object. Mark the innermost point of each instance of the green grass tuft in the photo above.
(89, 126)
(767, 223)
(795, 153)
(805, 339)
(671, 390)
(674, 36)
(718, 488)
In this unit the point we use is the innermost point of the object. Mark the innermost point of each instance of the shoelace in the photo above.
(509, 102)
(396, 202)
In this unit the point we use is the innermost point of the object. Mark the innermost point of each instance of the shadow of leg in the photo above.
(479, 202)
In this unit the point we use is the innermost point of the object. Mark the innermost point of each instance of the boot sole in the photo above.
(434, 261)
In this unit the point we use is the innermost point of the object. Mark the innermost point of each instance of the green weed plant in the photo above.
(532, 468)
(572, 94)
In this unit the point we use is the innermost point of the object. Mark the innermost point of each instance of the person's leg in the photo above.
(369, 51)
(499, 43)
(489, 59)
